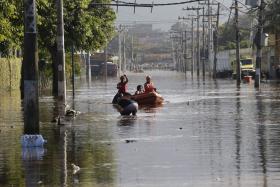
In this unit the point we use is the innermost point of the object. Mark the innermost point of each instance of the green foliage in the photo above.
(85, 28)
(245, 44)
(227, 34)
(272, 18)
(46, 70)
(10, 73)
(230, 45)
(11, 26)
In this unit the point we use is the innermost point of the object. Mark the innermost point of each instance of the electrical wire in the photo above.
(148, 21)
(156, 4)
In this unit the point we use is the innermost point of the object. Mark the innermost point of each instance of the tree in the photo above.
(85, 28)
(11, 26)
(271, 25)
(272, 16)
(227, 33)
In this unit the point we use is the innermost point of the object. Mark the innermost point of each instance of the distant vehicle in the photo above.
(226, 65)
(98, 65)
(112, 69)
(246, 66)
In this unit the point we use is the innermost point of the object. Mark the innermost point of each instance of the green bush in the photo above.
(10, 73)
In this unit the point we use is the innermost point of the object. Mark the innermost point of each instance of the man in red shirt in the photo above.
(149, 86)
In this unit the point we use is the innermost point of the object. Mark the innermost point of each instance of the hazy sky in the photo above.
(161, 17)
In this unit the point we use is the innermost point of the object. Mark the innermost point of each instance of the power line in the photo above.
(148, 21)
(156, 4)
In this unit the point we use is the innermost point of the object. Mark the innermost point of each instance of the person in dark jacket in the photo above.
(127, 106)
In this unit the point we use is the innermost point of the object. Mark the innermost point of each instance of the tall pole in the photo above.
(238, 71)
(198, 43)
(60, 53)
(106, 59)
(182, 52)
(120, 50)
(192, 71)
(30, 68)
(185, 54)
(259, 46)
(209, 36)
(203, 43)
(132, 58)
(216, 34)
(124, 55)
(73, 70)
(173, 53)
(88, 68)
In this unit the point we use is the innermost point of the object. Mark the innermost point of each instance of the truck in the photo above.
(226, 64)
(98, 65)
(246, 66)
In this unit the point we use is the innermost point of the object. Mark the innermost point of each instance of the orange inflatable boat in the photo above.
(151, 98)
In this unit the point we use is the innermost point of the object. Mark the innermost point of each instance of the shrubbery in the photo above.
(10, 73)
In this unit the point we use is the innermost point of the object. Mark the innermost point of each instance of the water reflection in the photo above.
(127, 120)
(262, 139)
(238, 136)
(33, 153)
(207, 133)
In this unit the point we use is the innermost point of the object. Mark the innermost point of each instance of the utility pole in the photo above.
(238, 71)
(182, 52)
(88, 68)
(124, 55)
(120, 50)
(259, 45)
(192, 43)
(203, 43)
(185, 53)
(209, 35)
(192, 71)
(216, 34)
(132, 58)
(197, 37)
(30, 68)
(198, 42)
(73, 70)
(61, 55)
(106, 59)
(173, 52)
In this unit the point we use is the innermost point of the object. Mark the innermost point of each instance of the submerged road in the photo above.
(207, 133)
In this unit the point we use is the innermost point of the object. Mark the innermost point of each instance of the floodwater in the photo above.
(207, 133)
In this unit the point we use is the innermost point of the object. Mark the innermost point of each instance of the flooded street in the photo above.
(207, 133)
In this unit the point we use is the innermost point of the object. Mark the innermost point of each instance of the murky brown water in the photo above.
(206, 134)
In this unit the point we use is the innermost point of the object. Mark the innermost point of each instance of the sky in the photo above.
(161, 17)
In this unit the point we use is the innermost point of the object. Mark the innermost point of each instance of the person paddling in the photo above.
(149, 86)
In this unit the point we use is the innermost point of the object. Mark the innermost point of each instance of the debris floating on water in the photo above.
(130, 141)
(75, 168)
